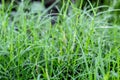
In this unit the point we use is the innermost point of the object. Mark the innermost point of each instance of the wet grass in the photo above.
(82, 46)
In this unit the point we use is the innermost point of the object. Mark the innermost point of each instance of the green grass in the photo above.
(83, 46)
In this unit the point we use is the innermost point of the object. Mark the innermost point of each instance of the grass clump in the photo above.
(81, 46)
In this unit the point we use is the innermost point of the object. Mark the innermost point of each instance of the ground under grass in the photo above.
(81, 46)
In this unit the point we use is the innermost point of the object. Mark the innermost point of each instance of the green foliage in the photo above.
(82, 45)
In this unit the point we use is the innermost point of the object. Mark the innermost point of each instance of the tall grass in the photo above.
(81, 46)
